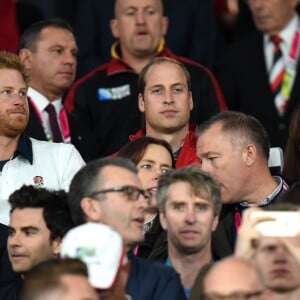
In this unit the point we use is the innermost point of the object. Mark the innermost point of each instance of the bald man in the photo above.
(244, 281)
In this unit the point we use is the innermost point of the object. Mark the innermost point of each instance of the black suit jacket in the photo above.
(222, 237)
(7, 275)
(243, 77)
(81, 137)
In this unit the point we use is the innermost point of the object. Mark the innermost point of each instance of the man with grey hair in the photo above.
(234, 148)
(189, 202)
(259, 73)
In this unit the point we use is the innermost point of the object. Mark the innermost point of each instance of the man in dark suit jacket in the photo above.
(82, 138)
(48, 50)
(8, 277)
(243, 70)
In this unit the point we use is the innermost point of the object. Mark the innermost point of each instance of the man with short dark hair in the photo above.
(165, 97)
(38, 221)
(109, 191)
(48, 50)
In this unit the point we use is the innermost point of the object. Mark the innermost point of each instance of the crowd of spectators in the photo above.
(135, 141)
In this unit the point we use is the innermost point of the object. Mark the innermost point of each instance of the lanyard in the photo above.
(63, 121)
(290, 68)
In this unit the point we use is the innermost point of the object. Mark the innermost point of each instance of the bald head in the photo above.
(243, 279)
(126, 4)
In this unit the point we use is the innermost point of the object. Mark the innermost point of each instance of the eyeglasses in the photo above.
(132, 192)
(233, 296)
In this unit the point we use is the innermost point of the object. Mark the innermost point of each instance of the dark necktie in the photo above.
(276, 75)
(56, 135)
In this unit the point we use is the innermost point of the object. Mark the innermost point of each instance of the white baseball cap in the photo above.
(100, 248)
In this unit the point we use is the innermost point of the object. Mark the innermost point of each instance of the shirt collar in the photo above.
(287, 32)
(281, 186)
(117, 65)
(116, 50)
(24, 148)
(41, 102)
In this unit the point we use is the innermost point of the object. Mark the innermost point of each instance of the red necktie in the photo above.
(56, 134)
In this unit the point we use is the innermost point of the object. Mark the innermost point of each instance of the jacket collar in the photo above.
(24, 148)
(117, 65)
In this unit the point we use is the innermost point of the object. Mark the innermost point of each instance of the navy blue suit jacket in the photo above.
(149, 280)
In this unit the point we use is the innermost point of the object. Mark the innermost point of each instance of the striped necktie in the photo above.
(277, 74)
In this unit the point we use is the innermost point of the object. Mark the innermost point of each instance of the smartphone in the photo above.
(277, 223)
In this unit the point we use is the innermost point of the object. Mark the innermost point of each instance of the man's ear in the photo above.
(191, 102)
(114, 28)
(249, 154)
(164, 25)
(215, 223)
(162, 219)
(91, 209)
(55, 244)
(26, 58)
(141, 102)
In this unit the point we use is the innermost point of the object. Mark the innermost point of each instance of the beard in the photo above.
(11, 126)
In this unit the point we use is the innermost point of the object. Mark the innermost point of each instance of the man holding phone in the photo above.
(276, 255)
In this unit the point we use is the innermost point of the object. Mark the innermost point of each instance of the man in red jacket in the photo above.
(165, 98)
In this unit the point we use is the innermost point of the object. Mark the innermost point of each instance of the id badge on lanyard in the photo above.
(291, 66)
(63, 120)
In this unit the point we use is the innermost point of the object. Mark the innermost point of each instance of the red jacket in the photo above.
(92, 99)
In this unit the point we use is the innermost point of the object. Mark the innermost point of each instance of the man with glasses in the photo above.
(234, 279)
(109, 191)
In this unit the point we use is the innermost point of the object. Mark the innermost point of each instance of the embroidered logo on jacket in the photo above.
(38, 181)
(115, 93)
